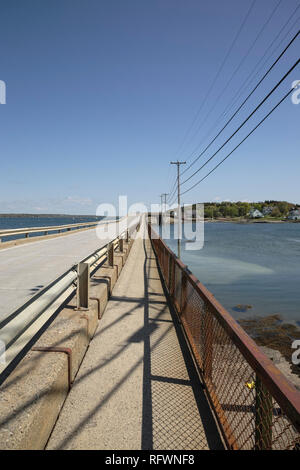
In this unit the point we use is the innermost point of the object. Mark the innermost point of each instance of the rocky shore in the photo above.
(275, 338)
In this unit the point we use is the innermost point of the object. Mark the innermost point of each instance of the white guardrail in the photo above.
(51, 228)
(20, 328)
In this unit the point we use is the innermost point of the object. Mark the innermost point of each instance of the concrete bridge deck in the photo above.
(137, 387)
(27, 268)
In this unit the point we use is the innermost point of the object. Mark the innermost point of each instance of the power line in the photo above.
(178, 202)
(251, 77)
(178, 179)
(240, 107)
(163, 195)
(173, 187)
(218, 73)
(245, 138)
(244, 122)
(173, 190)
(239, 66)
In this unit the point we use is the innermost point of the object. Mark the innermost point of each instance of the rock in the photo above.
(241, 308)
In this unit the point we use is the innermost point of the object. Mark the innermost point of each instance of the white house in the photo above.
(255, 214)
(294, 214)
(267, 210)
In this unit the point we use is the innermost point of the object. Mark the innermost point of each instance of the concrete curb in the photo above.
(32, 396)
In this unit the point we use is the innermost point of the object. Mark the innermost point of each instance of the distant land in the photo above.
(265, 211)
(268, 208)
(51, 215)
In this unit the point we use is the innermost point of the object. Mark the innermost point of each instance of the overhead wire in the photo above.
(245, 138)
(243, 103)
(246, 120)
(245, 56)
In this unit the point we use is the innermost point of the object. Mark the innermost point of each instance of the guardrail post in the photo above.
(127, 236)
(110, 254)
(83, 283)
(121, 245)
(263, 416)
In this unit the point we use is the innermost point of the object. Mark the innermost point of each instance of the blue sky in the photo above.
(100, 95)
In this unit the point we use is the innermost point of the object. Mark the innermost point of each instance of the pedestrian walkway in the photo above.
(137, 387)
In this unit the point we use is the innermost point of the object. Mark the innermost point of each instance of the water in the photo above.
(250, 264)
(12, 222)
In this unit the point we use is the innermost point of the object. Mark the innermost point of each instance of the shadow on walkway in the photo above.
(169, 420)
(150, 358)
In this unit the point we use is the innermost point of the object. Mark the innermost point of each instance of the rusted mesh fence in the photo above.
(256, 406)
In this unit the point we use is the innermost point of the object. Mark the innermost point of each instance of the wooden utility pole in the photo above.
(178, 163)
(165, 203)
(161, 202)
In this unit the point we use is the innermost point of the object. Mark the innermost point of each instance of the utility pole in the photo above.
(165, 204)
(178, 163)
(161, 202)
(160, 211)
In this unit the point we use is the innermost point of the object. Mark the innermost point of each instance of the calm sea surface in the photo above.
(251, 264)
(37, 221)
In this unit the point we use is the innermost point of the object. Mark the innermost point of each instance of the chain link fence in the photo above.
(256, 406)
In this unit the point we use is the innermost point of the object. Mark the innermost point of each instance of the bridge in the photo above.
(114, 344)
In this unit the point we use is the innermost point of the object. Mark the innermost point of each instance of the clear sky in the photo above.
(100, 95)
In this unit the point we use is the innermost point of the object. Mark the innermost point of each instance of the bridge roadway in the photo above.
(25, 269)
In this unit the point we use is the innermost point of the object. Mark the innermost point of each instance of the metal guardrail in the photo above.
(52, 228)
(256, 406)
(18, 330)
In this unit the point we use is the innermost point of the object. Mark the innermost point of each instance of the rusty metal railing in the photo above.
(255, 404)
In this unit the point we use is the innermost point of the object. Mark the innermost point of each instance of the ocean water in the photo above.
(38, 221)
(249, 264)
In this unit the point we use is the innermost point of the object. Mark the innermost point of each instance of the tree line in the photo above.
(276, 209)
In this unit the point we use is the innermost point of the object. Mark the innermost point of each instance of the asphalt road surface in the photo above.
(25, 269)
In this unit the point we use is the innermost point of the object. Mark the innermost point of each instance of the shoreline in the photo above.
(275, 336)
(237, 221)
(252, 221)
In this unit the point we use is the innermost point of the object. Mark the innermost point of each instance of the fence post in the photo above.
(208, 344)
(127, 236)
(263, 416)
(110, 254)
(183, 299)
(171, 276)
(121, 245)
(83, 283)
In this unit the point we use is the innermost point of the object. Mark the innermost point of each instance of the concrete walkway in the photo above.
(136, 388)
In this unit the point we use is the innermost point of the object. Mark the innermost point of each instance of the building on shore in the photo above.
(294, 214)
(255, 214)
